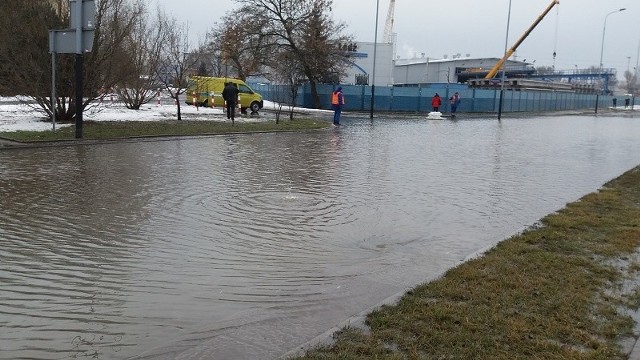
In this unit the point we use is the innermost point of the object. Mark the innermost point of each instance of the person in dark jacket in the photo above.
(454, 101)
(337, 102)
(230, 96)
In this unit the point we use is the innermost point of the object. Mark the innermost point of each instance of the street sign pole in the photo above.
(79, 65)
(53, 89)
(76, 40)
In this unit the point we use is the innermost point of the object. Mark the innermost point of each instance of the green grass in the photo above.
(551, 292)
(103, 130)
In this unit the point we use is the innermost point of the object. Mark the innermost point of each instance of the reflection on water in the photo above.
(245, 246)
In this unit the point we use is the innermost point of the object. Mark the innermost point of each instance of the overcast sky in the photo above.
(572, 29)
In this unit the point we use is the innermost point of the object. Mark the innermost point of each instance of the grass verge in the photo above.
(102, 130)
(560, 290)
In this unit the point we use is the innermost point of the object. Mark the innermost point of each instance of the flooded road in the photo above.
(245, 246)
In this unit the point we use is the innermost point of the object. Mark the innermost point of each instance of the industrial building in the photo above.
(387, 70)
(458, 69)
(422, 70)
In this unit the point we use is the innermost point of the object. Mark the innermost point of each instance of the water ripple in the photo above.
(181, 248)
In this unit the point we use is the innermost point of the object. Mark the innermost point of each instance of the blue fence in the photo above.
(418, 99)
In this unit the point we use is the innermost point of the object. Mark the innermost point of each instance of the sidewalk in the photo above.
(9, 143)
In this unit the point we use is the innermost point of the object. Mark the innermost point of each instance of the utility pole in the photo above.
(373, 74)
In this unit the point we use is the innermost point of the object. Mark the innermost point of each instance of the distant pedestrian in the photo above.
(230, 96)
(436, 101)
(454, 101)
(626, 102)
(337, 102)
(615, 102)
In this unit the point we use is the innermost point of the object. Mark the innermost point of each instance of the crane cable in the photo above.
(555, 40)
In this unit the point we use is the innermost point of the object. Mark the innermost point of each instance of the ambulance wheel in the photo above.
(255, 106)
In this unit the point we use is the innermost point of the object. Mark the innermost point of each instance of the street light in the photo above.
(375, 46)
(635, 79)
(446, 96)
(604, 28)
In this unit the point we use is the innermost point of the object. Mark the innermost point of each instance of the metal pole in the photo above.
(53, 89)
(604, 28)
(635, 74)
(373, 74)
(79, 64)
(506, 44)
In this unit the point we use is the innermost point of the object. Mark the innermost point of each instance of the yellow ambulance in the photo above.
(207, 91)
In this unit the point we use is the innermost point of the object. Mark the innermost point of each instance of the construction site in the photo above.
(485, 84)
(490, 73)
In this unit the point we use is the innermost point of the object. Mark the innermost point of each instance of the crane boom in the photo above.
(388, 26)
(511, 50)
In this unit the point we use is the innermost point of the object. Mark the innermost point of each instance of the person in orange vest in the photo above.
(337, 102)
(436, 101)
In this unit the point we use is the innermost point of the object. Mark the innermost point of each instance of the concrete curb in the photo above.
(9, 143)
(357, 321)
(635, 352)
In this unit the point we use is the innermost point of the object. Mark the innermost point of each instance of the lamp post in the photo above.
(446, 96)
(373, 74)
(635, 79)
(506, 44)
(604, 28)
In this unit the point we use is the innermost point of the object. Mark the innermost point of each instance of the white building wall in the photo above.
(362, 59)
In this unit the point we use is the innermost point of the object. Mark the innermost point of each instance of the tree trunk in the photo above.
(178, 105)
(314, 94)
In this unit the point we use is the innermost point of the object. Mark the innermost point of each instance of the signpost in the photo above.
(76, 40)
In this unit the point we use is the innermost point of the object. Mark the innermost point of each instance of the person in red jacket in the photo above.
(436, 101)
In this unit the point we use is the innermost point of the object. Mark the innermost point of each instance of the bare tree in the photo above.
(545, 70)
(211, 62)
(306, 30)
(25, 61)
(177, 62)
(241, 44)
(325, 55)
(630, 82)
(143, 49)
(289, 77)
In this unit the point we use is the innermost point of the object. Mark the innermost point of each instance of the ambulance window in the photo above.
(244, 89)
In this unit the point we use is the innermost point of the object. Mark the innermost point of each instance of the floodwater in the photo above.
(246, 246)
